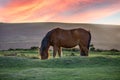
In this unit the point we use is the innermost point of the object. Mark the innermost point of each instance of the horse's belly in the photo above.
(69, 45)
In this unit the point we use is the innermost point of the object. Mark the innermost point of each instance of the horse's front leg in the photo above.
(55, 49)
(60, 51)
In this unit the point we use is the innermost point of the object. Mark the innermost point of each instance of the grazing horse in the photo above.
(59, 38)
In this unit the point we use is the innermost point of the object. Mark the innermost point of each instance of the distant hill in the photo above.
(25, 35)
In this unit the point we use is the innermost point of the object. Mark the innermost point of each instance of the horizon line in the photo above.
(58, 22)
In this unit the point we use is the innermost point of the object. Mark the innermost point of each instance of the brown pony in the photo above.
(59, 38)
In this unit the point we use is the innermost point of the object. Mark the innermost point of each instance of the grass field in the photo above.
(25, 66)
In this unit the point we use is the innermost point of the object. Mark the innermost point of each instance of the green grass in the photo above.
(98, 66)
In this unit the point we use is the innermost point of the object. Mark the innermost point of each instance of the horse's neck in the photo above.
(47, 48)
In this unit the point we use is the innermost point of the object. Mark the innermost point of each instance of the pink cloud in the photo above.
(91, 14)
(57, 10)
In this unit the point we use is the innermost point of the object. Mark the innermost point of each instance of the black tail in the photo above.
(89, 40)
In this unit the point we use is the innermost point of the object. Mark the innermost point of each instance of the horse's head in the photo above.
(44, 54)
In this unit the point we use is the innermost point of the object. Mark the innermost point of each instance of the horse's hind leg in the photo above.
(83, 50)
(60, 51)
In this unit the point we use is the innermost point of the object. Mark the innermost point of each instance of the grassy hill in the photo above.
(25, 35)
(104, 67)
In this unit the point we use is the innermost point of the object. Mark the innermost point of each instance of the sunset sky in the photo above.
(75, 11)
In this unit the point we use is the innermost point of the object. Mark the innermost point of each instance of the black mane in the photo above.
(45, 41)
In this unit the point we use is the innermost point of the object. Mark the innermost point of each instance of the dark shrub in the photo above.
(114, 50)
(33, 48)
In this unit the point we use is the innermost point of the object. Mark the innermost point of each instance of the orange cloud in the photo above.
(57, 10)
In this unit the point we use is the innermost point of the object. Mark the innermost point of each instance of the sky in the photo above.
(68, 11)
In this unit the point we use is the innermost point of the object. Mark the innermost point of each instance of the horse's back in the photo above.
(67, 38)
(72, 33)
